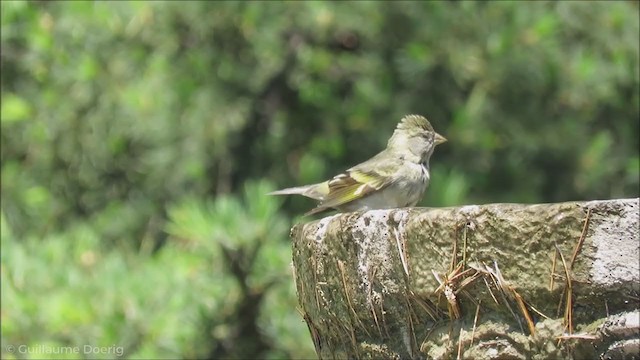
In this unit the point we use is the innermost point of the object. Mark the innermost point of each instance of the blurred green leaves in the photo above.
(245, 236)
(14, 109)
(68, 291)
(135, 134)
(168, 303)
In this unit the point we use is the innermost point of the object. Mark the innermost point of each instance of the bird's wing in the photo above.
(358, 182)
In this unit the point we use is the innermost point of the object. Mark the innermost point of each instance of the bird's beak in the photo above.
(440, 139)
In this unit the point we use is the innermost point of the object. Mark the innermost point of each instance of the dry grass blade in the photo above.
(403, 256)
(450, 278)
(375, 317)
(449, 288)
(475, 322)
(467, 281)
(314, 263)
(484, 273)
(578, 336)
(435, 275)
(354, 343)
(457, 274)
(426, 305)
(464, 245)
(490, 291)
(553, 269)
(414, 340)
(568, 312)
(523, 309)
(315, 334)
(429, 333)
(468, 296)
(539, 312)
(505, 289)
(502, 285)
(454, 253)
(492, 276)
(298, 285)
(459, 357)
(384, 321)
(412, 312)
(372, 308)
(501, 281)
(581, 241)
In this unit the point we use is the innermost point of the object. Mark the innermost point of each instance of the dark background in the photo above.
(139, 139)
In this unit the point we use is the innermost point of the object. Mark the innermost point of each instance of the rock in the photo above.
(472, 281)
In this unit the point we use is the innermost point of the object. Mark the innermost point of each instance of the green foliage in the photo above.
(184, 300)
(68, 291)
(132, 130)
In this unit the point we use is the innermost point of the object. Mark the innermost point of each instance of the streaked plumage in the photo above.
(395, 177)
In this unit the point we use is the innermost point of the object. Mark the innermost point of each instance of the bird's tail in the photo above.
(298, 190)
(313, 191)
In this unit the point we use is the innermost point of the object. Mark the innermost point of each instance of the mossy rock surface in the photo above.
(472, 281)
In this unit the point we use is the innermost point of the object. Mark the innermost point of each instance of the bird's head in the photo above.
(414, 134)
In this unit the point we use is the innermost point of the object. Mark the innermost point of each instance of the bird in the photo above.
(395, 177)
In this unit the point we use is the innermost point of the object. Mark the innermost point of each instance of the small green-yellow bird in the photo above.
(395, 177)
